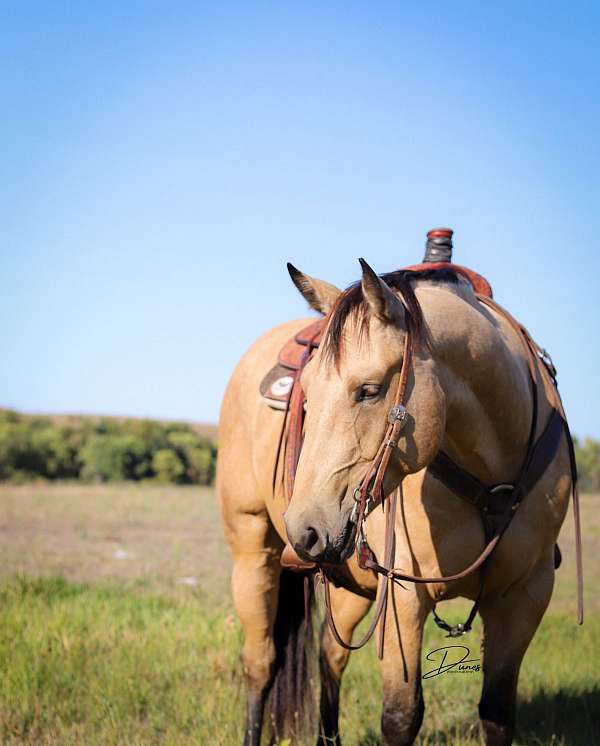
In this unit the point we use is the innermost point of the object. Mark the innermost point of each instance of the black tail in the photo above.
(291, 700)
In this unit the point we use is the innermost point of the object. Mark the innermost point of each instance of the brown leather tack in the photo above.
(496, 512)
(293, 350)
(478, 282)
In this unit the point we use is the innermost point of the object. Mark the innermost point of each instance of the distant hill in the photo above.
(203, 429)
(105, 448)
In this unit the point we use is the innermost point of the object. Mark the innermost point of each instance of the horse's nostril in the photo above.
(310, 544)
(310, 538)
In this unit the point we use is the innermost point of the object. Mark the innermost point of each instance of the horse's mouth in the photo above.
(342, 547)
(332, 550)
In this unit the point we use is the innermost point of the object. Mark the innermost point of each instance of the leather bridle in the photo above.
(369, 493)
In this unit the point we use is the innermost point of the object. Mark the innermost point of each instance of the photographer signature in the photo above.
(453, 659)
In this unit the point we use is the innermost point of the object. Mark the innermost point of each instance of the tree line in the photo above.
(109, 449)
(587, 452)
(103, 449)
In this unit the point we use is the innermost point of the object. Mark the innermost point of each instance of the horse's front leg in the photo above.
(403, 705)
(348, 610)
(510, 622)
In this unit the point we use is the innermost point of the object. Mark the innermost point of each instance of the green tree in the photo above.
(197, 454)
(588, 464)
(167, 466)
(13, 448)
(54, 451)
(102, 449)
(110, 458)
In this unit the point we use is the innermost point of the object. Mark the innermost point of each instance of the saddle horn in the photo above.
(438, 247)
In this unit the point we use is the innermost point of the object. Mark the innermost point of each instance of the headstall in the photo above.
(496, 515)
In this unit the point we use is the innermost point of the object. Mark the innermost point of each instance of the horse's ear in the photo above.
(319, 294)
(379, 296)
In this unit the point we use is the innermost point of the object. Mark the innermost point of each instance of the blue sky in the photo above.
(162, 161)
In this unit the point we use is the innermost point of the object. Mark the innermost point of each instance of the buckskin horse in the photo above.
(422, 427)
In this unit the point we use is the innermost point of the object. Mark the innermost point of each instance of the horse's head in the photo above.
(350, 386)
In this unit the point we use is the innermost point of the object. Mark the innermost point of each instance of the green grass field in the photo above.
(116, 627)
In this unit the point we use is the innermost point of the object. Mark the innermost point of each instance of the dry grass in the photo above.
(169, 532)
(149, 536)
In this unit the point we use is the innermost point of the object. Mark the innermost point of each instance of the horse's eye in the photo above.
(369, 391)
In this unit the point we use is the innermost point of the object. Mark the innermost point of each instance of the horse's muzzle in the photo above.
(313, 544)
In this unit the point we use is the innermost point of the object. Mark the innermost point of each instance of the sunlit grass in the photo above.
(97, 665)
(102, 666)
(98, 647)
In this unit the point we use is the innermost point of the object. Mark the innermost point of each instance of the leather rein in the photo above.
(497, 504)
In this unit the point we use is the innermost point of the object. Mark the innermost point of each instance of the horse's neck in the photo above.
(488, 394)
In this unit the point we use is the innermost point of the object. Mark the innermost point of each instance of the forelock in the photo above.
(351, 309)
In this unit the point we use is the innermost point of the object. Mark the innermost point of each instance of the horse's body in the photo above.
(469, 391)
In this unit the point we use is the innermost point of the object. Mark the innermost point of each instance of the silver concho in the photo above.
(399, 414)
(282, 386)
